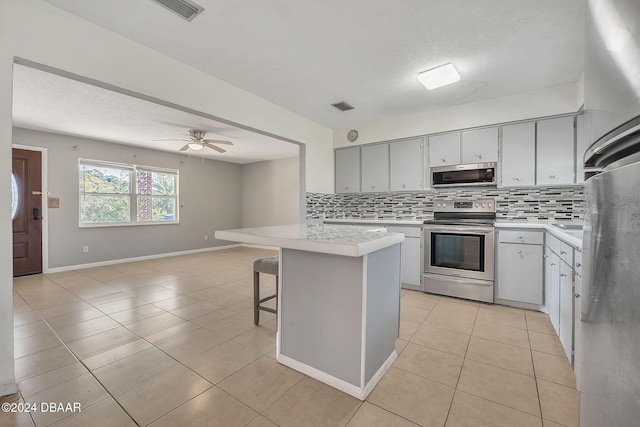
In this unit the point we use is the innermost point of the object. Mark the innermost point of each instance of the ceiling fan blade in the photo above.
(217, 141)
(184, 148)
(170, 140)
(213, 147)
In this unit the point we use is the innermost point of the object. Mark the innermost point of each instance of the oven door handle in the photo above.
(459, 229)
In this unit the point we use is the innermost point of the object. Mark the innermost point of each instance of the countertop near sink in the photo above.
(572, 237)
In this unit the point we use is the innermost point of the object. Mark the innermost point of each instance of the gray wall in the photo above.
(210, 199)
(271, 193)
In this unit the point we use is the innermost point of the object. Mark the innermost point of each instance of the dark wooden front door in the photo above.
(27, 212)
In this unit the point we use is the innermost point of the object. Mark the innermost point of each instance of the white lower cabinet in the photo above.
(520, 274)
(411, 271)
(526, 267)
(552, 287)
(410, 251)
(559, 282)
(577, 317)
(520, 266)
(411, 256)
(566, 309)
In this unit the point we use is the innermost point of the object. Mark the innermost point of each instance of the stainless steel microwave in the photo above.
(474, 174)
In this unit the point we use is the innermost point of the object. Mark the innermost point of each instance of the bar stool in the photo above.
(267, 266)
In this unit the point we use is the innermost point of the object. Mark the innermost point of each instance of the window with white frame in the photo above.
(122, 194)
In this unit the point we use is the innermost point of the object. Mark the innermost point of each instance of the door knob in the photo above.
(36, 213)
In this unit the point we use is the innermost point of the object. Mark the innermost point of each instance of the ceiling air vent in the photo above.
(186, 9)
(342, 106)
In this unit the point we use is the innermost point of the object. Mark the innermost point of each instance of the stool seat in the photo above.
(266, 266)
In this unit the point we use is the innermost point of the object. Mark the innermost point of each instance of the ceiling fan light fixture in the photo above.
(195, 146)
(439, 76)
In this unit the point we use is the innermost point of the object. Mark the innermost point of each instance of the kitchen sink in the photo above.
(574, 230)
(568, 226)
(574, 233)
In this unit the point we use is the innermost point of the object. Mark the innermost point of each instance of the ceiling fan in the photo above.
(197, 142)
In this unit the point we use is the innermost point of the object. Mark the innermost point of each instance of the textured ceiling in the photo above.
(305, 55)
(48, 102)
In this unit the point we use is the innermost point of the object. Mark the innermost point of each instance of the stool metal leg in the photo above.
(256, 297)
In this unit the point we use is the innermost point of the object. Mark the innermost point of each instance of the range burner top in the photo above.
(464, 212)
(462, 221)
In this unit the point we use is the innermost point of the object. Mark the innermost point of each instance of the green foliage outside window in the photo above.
(106, 194)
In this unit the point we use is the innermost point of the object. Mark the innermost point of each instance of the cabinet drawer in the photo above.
(566, 253)
(578, 262)
(521, 236)
(408, 231)
(553, 243)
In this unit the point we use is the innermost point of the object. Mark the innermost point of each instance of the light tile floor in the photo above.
(171, 342)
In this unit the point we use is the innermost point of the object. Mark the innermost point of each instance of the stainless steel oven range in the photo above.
(459, 251)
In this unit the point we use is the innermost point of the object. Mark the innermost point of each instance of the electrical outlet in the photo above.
(85, 249)
(206, 237)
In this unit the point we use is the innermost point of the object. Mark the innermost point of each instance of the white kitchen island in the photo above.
(338, 303)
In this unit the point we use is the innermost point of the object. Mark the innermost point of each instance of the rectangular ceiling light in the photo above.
(187, 9)
(439, 76)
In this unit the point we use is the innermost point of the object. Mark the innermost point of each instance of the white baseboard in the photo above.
(344, 386)
(7, 389)
(140, 258)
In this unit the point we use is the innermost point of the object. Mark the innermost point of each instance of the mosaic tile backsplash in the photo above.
(530, 203)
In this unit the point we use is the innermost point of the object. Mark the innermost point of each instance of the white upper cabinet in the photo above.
(375, 168)
(444, 149)
(348, 170)
(556, 155)
(480, 145)
(581, 147)
(407, 168)
(518, 155)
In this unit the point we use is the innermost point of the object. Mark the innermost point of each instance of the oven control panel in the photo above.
(477, 205)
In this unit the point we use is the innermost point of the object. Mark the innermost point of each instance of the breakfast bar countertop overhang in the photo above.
(322, 238)
(338, 300)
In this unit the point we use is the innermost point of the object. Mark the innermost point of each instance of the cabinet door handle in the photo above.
(444, 160)
(520, 252)
(553, 263)
(545, 256)
(563, 253)
(553, 176)
(577, 295)
(578, 264)
(563, 275)
(515, 178)
(478, 156)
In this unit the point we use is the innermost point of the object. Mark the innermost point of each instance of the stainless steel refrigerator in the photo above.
(610, 311)
(609, 360)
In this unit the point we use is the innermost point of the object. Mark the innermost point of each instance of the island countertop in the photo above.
(330, 239)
